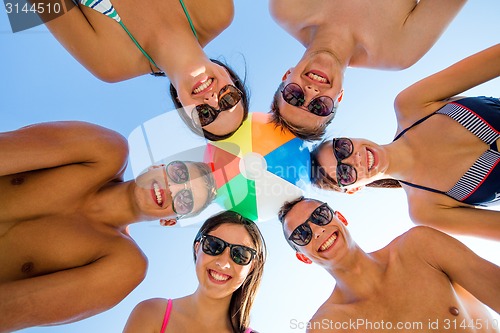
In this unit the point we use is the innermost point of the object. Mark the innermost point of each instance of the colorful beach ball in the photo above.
(258, 168)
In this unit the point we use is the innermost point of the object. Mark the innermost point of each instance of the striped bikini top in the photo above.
(106, 7)
(480, 185)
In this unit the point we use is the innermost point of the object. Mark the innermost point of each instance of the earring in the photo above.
(168, 222)
(303, 258)
(338, 99)
(341, 218)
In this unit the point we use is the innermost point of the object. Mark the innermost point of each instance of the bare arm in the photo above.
(50, 145)
(418, 99)
(478, 276)
(70, 295)
(93, 40)
(147, 316)
(469, 221)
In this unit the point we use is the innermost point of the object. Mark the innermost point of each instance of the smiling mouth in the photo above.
(202, 86)
(327, 244)
(158, 193)
(370, 158)
(218, 277)
(317, 77)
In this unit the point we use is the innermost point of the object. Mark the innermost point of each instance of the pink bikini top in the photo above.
(166, 317)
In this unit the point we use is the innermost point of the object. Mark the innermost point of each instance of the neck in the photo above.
(113, 205)
(323, 38)
(401, 159)
(179, 55)
(210, 311)
(357, 275)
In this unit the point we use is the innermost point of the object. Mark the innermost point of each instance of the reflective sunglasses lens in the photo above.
(342, 148)
(346, 174)
(293, 94)
(241, 255)
(183, 202)
(178, 172)
(322, 215)
(321, 106)
(205, 114)
(301, 235)
(213, 246)
(229, 96)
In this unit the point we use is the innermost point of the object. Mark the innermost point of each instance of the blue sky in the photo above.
(41, 82)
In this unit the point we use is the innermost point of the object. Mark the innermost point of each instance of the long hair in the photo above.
(243, 298)
(245, 96)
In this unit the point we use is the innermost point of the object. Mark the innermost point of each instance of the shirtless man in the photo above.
(65, 250)
(337, 34)
(424, 280)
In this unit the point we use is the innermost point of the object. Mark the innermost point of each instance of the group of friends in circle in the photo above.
(69, 175)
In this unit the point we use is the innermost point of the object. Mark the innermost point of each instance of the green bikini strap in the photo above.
(137, 44)
(189, 18)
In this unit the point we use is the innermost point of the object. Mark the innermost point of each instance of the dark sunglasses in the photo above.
(183, 201)
(346, 173)
(240, 254)
(294, 95)
(204, 114)
(321, 216)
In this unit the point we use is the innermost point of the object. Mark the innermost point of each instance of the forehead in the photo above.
(299, 214)
(233, 234)
(327, 160)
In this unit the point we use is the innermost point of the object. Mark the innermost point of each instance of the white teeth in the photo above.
(329, 242)
(156, 188)
(219, 277)
(316, 77)
(203, 86)
(371, 159)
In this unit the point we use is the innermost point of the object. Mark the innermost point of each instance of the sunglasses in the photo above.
(294, 95)
(204, 114)
(183, 201)
(342, 149)
(240, 254)
(321, 216)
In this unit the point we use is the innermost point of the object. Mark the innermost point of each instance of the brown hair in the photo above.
(243, 298)
(306, 134)
(238, 83)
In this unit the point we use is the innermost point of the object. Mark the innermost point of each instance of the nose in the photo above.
(176, 188)
(211, 98)
(223, 259)
(318, 231)
(310, 92)
(354, 159)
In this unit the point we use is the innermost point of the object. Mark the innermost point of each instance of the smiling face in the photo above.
(318, 74)
(368, 158)
(220, 276)
(328, 242)
(203, 86)
(158, 195)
